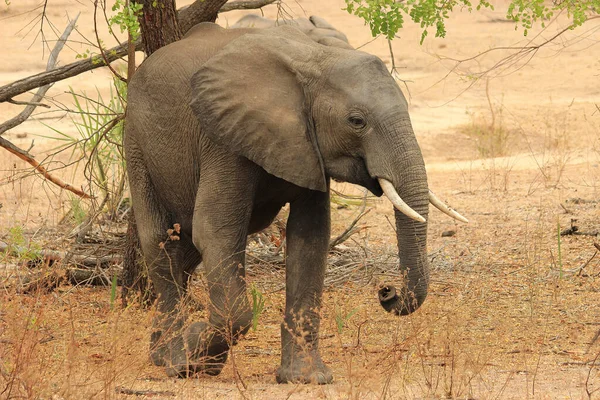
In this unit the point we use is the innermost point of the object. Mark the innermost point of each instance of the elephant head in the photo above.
(315, 27)
(306, 113)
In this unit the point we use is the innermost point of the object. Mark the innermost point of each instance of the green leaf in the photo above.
(386, 17)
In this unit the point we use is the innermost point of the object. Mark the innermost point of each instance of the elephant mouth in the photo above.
(374, 187)
(369, 181)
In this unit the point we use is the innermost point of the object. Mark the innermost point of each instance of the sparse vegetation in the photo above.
(342, 317)
(511, 314)
(25, 250)
(258, 306)
(489, 130)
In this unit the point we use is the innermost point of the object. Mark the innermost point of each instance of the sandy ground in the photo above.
(512, 312)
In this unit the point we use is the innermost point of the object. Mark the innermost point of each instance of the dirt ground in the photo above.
(513, 309)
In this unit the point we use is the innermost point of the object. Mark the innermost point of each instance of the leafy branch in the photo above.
(387, 17)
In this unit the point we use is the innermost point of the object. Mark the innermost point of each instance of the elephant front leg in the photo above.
(308, 231)
(220, 229)
(230, 315)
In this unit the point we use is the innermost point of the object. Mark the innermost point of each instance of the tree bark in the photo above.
(159, 24)
(200, 11)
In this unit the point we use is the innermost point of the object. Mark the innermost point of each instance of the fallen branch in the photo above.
(149, 393)
(50, 280)
(187, 19)
(53, 256)
(574, 230)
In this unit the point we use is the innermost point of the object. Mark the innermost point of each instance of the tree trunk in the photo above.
(159, 24)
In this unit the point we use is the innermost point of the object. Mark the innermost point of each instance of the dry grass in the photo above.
(488, 129)
(506, 317)
(509, 316)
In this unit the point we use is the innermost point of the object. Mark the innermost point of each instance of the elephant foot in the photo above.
(198, 350)
(304, 368)
(207, 365)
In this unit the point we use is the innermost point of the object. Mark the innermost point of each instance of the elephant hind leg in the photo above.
(170, 278)
(169, 262)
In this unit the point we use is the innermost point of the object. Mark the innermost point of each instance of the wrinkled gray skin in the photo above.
(226, 126)
(316, 28)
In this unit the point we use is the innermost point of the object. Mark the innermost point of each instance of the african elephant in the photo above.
(316, 28)
(226, 126)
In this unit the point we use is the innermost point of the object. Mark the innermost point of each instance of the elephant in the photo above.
(315, 27)
(225, 127)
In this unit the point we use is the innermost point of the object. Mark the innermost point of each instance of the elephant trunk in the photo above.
(410, 182)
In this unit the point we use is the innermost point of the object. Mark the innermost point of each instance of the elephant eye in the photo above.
(357, 121)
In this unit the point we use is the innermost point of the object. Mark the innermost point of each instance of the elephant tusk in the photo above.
(443, 207)
(390, 192)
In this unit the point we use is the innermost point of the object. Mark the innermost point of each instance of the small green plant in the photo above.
(342, 317)
(258, 306)
(18, 245)
(99, 125)
(77, 211)
(113, 292)
(126, 17)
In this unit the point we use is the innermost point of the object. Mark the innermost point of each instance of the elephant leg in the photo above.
(308, 231)
(220, 229)
(169, 274)
(169, 265)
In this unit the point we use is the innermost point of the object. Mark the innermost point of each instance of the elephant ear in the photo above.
(251, 98)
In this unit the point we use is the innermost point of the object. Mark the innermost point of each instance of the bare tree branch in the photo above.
(102, 53)
(22, 154)
(200, 10)
(185, 16)
(37, 98)
(28, 103)
(245, 5)
(517, 59)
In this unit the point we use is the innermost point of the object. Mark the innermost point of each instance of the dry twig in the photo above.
(39, 96)
(350, 230)
(148, 393)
